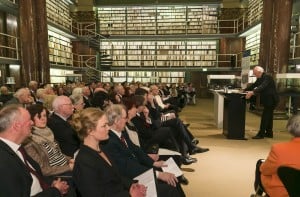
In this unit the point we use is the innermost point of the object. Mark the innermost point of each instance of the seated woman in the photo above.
(42, 147)
(281, 154)
(94, 173)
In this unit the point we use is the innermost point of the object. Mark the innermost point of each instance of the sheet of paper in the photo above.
(172, 167)
(163, 151)
(148, 179)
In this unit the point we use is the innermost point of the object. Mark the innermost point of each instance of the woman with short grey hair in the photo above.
(293, 125)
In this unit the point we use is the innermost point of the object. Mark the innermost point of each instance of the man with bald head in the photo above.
(58, 123)
(265, 86)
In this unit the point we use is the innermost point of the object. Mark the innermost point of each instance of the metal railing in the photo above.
(295, 47)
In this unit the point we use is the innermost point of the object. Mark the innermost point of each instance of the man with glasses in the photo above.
(63, 131)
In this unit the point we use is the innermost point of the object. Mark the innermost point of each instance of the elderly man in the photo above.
(265, 86)
(33, 86)
(5, 95)
(22, 96)
(20, 174)
(63, 131)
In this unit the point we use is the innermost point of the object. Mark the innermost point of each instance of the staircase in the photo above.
(93, 67)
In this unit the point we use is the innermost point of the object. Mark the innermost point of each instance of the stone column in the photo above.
(34, 41)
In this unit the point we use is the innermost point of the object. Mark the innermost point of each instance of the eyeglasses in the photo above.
(70, 104)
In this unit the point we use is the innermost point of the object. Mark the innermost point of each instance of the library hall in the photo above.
(149, 98)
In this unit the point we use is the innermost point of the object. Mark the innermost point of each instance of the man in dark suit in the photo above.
(16, 178)
(63, 131)
(265, 86)
(130, 159)
(86, 93)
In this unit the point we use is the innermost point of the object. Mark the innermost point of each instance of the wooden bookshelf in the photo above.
(201, 20)
(253, 44)
(141, 53)
(141, 20)
(201, 53)
(112, 21)
(171, 20)
(158, 20)
(143, 76)
(60, 49)
(58, 11)
(161, 53)
(255, 8)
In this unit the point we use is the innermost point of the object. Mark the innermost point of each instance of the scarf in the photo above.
(42, 135)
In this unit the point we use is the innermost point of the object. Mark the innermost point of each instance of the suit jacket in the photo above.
(145, 131)
(286, 154)
(131, 161)
(93, 176)
(87, 102)
(267, 89)
(64, 134)
(15, 179)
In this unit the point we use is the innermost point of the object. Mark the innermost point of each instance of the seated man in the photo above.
(130, 159)
(281, 154)
(20, 174)
(63, 132)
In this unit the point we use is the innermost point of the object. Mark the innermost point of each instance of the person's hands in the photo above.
(146, 112)
(168, 178)
(154, 157)
(167, 105)
(71, 163)
(159, 164)
(62, 186)
(137, 190)
(249, 94)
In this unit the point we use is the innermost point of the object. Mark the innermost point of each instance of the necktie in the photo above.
(123, 140)
(43, 184)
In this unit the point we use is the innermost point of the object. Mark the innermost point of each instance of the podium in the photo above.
(234, 114)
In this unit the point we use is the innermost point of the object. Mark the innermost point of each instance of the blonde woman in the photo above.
(94, 173)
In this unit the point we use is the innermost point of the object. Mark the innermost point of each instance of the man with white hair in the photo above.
(33, 86)
(265, 86)
(22, 96)
(62, 130)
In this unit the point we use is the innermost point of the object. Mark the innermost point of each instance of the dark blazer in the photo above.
(64, 134)
(87, 102)
(265, 86)
(15, 179)
(131, 161)
(93, 176)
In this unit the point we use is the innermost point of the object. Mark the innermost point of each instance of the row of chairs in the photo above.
(290, 177)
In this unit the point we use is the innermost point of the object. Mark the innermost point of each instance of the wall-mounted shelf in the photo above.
(253, 44)
(143, 76)
(255, 8)
(158, 20)
(58, 12)
(161, 54)
(60, 49)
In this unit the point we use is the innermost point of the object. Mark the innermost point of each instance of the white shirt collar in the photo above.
(11, 144)
(117, 133)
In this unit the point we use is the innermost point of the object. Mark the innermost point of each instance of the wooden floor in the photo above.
(228, 168)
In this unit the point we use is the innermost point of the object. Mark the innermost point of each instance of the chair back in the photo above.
(290, 177)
